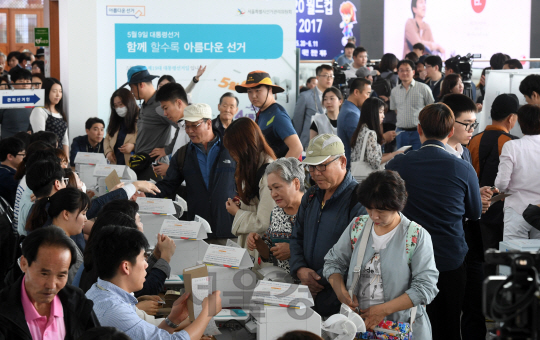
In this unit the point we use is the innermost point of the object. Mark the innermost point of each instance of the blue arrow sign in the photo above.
(20, 99)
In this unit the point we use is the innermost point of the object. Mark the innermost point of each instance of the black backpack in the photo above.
(383, 85)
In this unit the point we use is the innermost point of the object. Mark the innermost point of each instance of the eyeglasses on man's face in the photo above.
(321, 167)
(469, 126)
(193, 127)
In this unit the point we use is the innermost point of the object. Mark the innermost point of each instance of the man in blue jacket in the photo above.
(443, 189)
(204, 163)
(325, 212)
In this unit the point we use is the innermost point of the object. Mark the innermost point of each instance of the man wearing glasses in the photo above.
(204, 163)
(309, 103)
(407, 99)
(325, 212)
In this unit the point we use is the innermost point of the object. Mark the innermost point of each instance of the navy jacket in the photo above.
(442, 190)
(81, 144)
(8, 184)
(317, 230)
(207, 203)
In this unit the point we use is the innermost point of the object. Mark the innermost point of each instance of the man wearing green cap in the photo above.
(325, 212)
(274, 121)
(153, 128)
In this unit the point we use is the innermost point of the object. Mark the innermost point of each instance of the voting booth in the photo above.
(101, 171)
(499, 82)
(85, 162)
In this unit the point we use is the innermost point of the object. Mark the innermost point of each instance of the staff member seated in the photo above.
(91, 142)
(40, 305)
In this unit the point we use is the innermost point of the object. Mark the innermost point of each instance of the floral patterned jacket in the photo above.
(418, 280)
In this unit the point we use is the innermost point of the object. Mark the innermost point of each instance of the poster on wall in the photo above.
(323, 27)
(230, 38)
(449, 28)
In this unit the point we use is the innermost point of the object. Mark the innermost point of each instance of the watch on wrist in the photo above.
(170, 323)
(195, 80)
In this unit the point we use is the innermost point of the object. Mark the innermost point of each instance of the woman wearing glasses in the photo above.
(253, 205)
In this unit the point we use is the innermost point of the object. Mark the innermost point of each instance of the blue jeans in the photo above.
(408, 138)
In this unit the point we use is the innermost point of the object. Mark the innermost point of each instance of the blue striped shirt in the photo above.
(114, 307)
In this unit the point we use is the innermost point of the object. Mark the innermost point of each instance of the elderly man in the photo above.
(227, 107)
(204, 163)
(40, 305)
(325, 211)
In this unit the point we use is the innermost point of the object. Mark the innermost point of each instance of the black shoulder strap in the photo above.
(353, 200)
(259, 175)
(181, 157)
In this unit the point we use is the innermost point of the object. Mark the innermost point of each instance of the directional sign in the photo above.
(17, 99)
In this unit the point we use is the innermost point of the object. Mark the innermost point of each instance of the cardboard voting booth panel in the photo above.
(236, 285)
(86, 174)
(152, 225)
(189, 275)
(183, 230)
(91, 158)
(282, 295)
(103, 170)
(272, 322)
(156, 206)
(229, 257)
(187, 254)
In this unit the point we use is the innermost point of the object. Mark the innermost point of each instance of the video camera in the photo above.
(514, 301)
(340, 81)
(463, 67)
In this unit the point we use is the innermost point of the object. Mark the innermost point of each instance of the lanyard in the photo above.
(433, 145)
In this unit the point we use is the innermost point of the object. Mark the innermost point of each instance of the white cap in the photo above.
(195, 112)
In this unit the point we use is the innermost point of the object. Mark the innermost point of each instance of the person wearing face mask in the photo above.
(122, 129)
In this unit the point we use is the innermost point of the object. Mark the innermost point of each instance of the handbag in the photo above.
(361, 169)
(386, 329)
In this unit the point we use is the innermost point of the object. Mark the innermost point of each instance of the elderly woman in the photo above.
(397, 270)
(285, 178)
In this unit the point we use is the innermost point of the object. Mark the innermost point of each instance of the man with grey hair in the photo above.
(325, 212)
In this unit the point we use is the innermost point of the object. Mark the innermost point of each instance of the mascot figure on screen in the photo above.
(348, 17)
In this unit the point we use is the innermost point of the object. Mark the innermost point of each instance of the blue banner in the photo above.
(198, 41)
(31, 99)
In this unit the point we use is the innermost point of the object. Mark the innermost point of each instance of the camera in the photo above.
(463, 66)
(514, 301)
(340, 81)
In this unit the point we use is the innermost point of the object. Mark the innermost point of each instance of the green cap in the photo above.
(322, 147)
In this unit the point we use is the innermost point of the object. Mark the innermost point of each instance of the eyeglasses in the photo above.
(21, 154)
(330, 76)
(321, 167)
(193, 127)
(469, 126)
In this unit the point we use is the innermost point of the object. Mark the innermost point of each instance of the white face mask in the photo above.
(121, 111)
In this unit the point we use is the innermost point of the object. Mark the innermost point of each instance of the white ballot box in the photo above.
(272, 322)
(524, 245)
(101, 171)
(85, 162)
(187, 254)
(152, 225)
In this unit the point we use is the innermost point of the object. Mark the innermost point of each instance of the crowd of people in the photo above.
(386, 182)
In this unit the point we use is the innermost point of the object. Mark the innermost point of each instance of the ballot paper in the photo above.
(201, 288)
(282, 295)
(230, 257)
(103, 170)
(90, 158)
(404, 148)
(499, 197)
(157, 206)
(183, 230)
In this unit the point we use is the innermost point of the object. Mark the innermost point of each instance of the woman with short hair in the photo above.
(285, 178)
(398, 269)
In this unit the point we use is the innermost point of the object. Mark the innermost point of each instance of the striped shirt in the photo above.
(114, 307)
(409, 103)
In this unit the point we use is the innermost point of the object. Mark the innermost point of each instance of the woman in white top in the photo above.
(327, 122)
(52, 117)
(518, 175)
(370, 123)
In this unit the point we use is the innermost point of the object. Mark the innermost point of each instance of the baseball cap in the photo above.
(195, 112)
(137, 75)
(323, 147)
(363, 72)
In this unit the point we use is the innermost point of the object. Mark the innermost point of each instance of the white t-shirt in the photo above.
(371, 282)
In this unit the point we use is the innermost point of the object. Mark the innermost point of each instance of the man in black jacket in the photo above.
(26, 307)
(204, 163)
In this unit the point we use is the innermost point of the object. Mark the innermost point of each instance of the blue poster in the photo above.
(323, 27)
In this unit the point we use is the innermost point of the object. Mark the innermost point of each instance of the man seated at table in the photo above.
(91, 142)
(120, 260)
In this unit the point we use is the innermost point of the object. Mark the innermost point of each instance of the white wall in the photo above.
(78, 62)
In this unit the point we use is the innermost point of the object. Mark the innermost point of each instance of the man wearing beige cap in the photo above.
(325, 212)
(204, 163)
